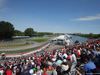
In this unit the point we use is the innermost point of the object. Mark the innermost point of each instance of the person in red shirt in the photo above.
(78, 54)
(44, 70)
(39, 59)
(38, 63)
(44, 74)
(8, 72)
(52, 56)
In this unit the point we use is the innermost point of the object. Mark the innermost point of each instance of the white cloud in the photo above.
(97, 17)
(93, 25)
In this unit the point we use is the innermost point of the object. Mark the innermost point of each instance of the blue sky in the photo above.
(64, 16)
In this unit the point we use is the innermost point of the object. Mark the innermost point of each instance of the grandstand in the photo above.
(73, 60)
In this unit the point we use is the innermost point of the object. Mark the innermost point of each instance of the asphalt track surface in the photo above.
(13, 42)
(32, 45)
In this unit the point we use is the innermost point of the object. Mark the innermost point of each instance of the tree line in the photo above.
(30, 32)
(90, 35)
(7, 30)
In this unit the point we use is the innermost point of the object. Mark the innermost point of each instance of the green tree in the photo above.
(44, 33)
(6, 30)
(17, 33)
(98, 35)
(91, 35)
(29, 32)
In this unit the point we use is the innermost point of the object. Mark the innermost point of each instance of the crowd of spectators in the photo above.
(84, 57)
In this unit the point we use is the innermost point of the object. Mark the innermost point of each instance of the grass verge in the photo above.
(40, 39)
(15, 45)
(22, 51)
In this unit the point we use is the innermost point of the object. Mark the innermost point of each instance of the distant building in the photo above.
(62, 39)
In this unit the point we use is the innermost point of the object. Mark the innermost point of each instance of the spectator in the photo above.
(8, 72)
(26, 71)
(44, 71)
(88, 51)
(49, 70)
(59, 61)
(64, 55)
(83, 56)
(94, 53)
(39, 71)
(1, 71)
(75, 52)
(74, 60)
(54, 72)
(58, 69)
(88, 66)
(69, 62)
(18, 72)
(32, 70)
(64, 68)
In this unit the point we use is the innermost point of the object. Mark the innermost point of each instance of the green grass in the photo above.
(40, 39)
(21, 51)
(15, 45)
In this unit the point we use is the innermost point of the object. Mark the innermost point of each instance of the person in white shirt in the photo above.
(64, 68)
(39, 71)
(74, 60)
(65, 55)
(1, 71)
